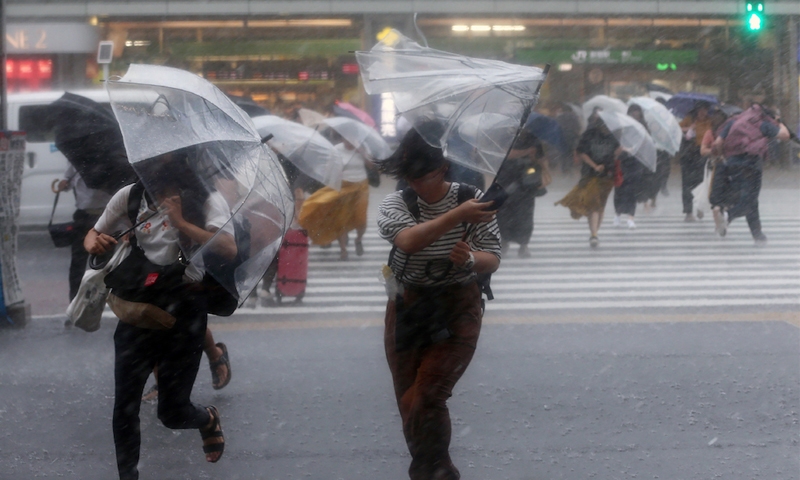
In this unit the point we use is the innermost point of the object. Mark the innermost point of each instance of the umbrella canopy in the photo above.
(249, 106)
(344, 109)
(605, 103)
(309, 151)
(450, 90)
(361, 137)
(88, 134)
(682, 103)
(664, 127)
(181, 131)
(310, 118)
(547, 130)
(632, 136)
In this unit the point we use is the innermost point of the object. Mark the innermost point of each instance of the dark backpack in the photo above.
(465, 192)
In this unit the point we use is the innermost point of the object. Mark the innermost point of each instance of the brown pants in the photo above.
(424, 379)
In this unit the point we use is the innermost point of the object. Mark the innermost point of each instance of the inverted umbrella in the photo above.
(361, 137)
(682, 103)
(605, 103)
(664, 127)
(214, 147)
(309, 151)
(632, 136)
(88, 134)
(429, 85)
(346, 109)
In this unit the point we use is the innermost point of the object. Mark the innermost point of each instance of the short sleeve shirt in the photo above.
(394, 217)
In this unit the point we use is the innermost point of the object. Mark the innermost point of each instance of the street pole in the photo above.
(3, 79)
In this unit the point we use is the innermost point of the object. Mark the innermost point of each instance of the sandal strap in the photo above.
(214, 447)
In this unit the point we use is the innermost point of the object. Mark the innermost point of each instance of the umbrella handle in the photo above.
(267, 138)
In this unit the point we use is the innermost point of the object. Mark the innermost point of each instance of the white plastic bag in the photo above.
(86, 309)
(700, 193)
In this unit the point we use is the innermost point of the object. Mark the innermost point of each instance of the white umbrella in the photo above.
(605, 103)
(361, 136)
(312, 153)
(429, 85)
(215, 147)
(310, 118)
(663, 126)
(632, 136)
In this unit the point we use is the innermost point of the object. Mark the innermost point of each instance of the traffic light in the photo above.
(754, 15)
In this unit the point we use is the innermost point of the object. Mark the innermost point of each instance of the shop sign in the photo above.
(51, 38)
(607, 56)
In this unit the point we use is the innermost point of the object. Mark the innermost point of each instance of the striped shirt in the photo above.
(394, 217)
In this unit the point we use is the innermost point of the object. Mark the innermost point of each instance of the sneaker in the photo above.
(689, 218)
(760, 239)
(617, 221)
(151, 396)
(631, 224)
(594, 241)
(524, 252)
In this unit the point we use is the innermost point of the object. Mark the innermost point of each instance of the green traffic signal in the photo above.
(755, 15)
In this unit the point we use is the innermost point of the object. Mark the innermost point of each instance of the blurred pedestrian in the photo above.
(744, 143)
(694, 127)
(719, 195)
(434, 320)
(330, 214)
(570, 125)
(598, 151)
(524, 175)
(629, 178)
(89, 205)
(180, 214)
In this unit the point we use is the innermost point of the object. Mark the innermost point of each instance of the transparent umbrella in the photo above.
(213, 147)
(664, 127)
(310, 118)
(450, 90)
(603, 102)
(364, 138)
(309, 151)
(632, 136)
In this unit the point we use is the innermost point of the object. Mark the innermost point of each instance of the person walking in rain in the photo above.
(598, 150)
(524, 173)
(694, 127)
(433, 322)
(720, 184)
(628, 185)
(744, 143)
(181, 213)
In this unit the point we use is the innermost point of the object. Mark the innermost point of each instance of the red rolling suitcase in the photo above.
(292, 266)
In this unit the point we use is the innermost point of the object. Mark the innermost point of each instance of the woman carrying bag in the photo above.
(182, 216)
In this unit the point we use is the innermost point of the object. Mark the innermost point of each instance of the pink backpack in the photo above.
(745, 135)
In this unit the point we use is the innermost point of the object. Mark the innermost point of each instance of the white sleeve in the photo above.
(217, 213)
(115, 216)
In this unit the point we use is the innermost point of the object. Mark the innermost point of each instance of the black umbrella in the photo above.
(88, 134)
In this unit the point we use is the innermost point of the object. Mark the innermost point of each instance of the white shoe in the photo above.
(617, 221)
(631, 224)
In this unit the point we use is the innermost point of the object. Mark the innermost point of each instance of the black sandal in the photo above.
(225, 361)
(214, 431)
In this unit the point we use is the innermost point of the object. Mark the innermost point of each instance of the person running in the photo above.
(432, 326)
(181, 214)
(598, 150)
(720, 183)
(631, 171)
(744, 143)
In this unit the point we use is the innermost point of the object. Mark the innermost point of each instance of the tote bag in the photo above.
(700, 193)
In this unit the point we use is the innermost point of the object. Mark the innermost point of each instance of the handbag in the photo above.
(86, 310)
(700, 193)
(62, 234)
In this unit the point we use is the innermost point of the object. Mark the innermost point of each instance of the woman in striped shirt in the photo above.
(432, 327)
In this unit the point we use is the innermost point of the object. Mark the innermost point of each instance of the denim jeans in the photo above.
(424, 379)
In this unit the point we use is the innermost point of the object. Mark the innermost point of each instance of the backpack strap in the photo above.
(134, 203)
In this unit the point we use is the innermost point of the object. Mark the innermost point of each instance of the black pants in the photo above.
(745, 172)
(84, 221)
(692, 164)
(177, 352)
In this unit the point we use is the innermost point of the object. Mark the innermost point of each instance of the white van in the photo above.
(43, 162)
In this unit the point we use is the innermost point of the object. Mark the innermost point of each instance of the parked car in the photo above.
(29, 112)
